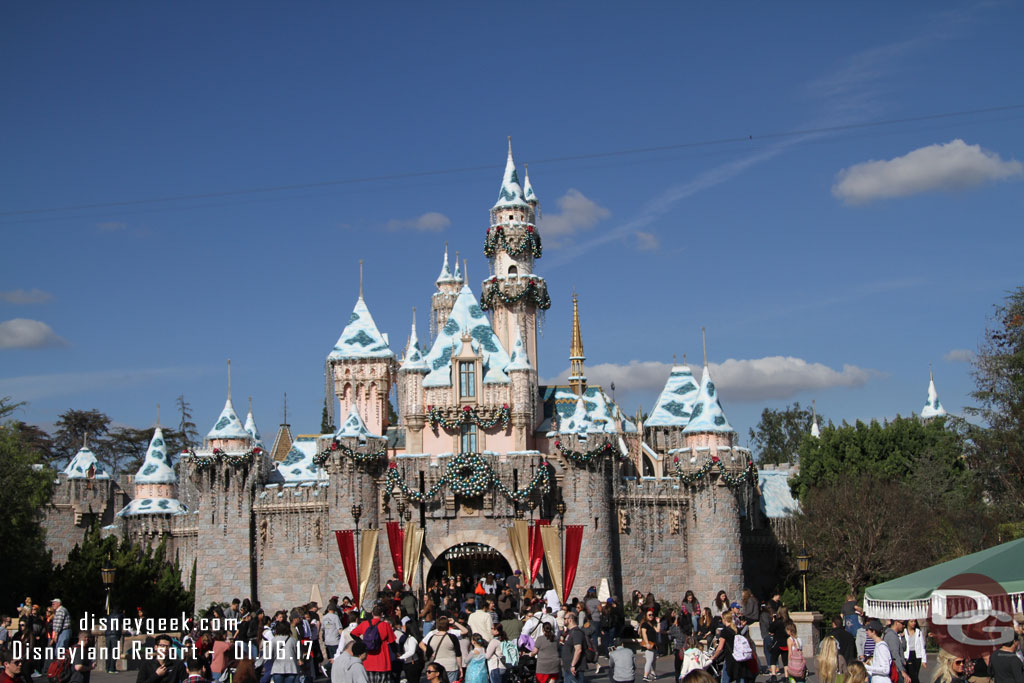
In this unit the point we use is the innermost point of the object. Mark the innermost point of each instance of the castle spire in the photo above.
(577, 376)
(815, 431)
(528, 193)
(360, 278)
(229, 379)
(511, 193)
(932, 408)
(446, 273)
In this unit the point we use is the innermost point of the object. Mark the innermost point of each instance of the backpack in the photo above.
(797, 662)
(741, 650)
(59, 670)
(510, 653)
(371, 638)
(894, 673)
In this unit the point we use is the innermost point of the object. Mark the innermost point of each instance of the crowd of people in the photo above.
(495, 629)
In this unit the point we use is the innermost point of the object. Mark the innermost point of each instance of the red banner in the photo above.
(573, 542)
(347, 548)
(536, 548)
(396, 541)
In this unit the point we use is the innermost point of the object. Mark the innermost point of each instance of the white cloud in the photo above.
(577, 212)
(758, 379)
(647, 241)
(946, 167)
(432, 221)
(22, 333)
(22, 296)
(959, 356)
(36, 387)
(111, 226)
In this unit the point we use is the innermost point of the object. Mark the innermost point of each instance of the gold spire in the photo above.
(577, 376)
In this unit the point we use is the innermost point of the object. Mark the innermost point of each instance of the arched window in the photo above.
(513, 270)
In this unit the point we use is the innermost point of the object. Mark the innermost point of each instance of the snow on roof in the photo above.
(79, 466)
(446, 273)
(776, 498)
(707, 414)
(299, 465)
(228, 425)
(153, 506)
(253, 430)
(466, 317)
(520, 358)
(511, 194)
(579, 422)
(932, 408)
(355, 427)
(603, 414)
(675, 403)
(156, 466)
(361, 338)
(528, 194)
(815, 431)
(413, 355)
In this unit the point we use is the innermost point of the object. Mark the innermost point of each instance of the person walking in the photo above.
(881, 658)
(573, 646)
(495, 654)
(348, 664)
(893, 638)
(287, 658)
(545, 650)
(378, 659)
(442, 647)
(831, 664)
(1005, 665)
(914, 652)
(60, 635)
(649, 643)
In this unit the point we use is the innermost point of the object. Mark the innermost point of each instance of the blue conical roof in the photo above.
(361, 338)
(79, 466)
(675, 403)
(511, 193)
(228, 426)
(156, 466)
(355, 427)
(528, 193)
(466, 317)
(414, 360)
(446, 272)
(707, 414)
(932, 407)
(520, 358)
(253, 430)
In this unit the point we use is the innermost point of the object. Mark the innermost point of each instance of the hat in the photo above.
(609, 601)
(517, 572)
(334, 598)
(736, 605)
(874, 625)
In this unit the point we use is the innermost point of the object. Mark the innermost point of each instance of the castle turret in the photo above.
(932, 407)
(514, 292)
(410, 391)
(815, 430)
(156, 484)
(672, 410)
(363, 368)
(448, 285)
(251, 428)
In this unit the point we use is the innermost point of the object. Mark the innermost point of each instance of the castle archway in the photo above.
(472, 553)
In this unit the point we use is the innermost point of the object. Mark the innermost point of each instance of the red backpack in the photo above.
(59, 670)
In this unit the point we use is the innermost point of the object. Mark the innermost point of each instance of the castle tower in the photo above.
(410, 391)
(514, 292)
(672, 410)
(156, 484)
(577, 375)
(448, 285)
(226, 473)
(709, 437)
(932, 408)
(362, 366)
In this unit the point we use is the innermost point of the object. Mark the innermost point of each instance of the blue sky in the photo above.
(825, 276)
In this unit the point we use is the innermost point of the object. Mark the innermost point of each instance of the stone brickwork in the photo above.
(76, 504)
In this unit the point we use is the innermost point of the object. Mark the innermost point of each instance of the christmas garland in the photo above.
(748, 474)
(469, 475)
(203, 462)
(534, 291)
(321, 457)
(587, 457)
(496, 238)
(468, 416)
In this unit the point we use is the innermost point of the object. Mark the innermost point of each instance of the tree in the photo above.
(187, 428)
(37, 441)
(26, 491)
(777, 437)
(996, 448)
(904, 450)
(128, 446)
(72, 428)
(865, 529)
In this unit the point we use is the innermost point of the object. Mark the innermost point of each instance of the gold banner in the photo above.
(411, 552)
(553, 556)
(367, 554)
(519, 539)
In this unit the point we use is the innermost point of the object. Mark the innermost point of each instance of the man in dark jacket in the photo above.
(847, 643)
(161, 668)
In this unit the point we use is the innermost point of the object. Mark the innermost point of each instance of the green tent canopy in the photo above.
(910, 596)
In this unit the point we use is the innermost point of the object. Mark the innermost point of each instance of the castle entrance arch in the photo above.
(471, 559)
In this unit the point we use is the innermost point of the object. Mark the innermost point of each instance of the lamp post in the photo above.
(803, 565)
(357, 512)
(560, 508)
(107, 573)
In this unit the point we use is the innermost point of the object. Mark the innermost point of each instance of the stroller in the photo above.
(694, 659)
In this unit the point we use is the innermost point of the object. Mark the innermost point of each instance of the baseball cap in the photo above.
(736, 604)
(609, 601)
(874, 625)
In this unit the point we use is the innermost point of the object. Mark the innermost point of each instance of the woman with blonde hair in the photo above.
(950, 669)
(856, 673)
(831, 665)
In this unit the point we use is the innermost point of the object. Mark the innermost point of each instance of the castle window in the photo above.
(468, 441)
(467, 380)
(513, 270)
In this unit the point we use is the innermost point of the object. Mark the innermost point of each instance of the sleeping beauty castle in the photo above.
(485, 470)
